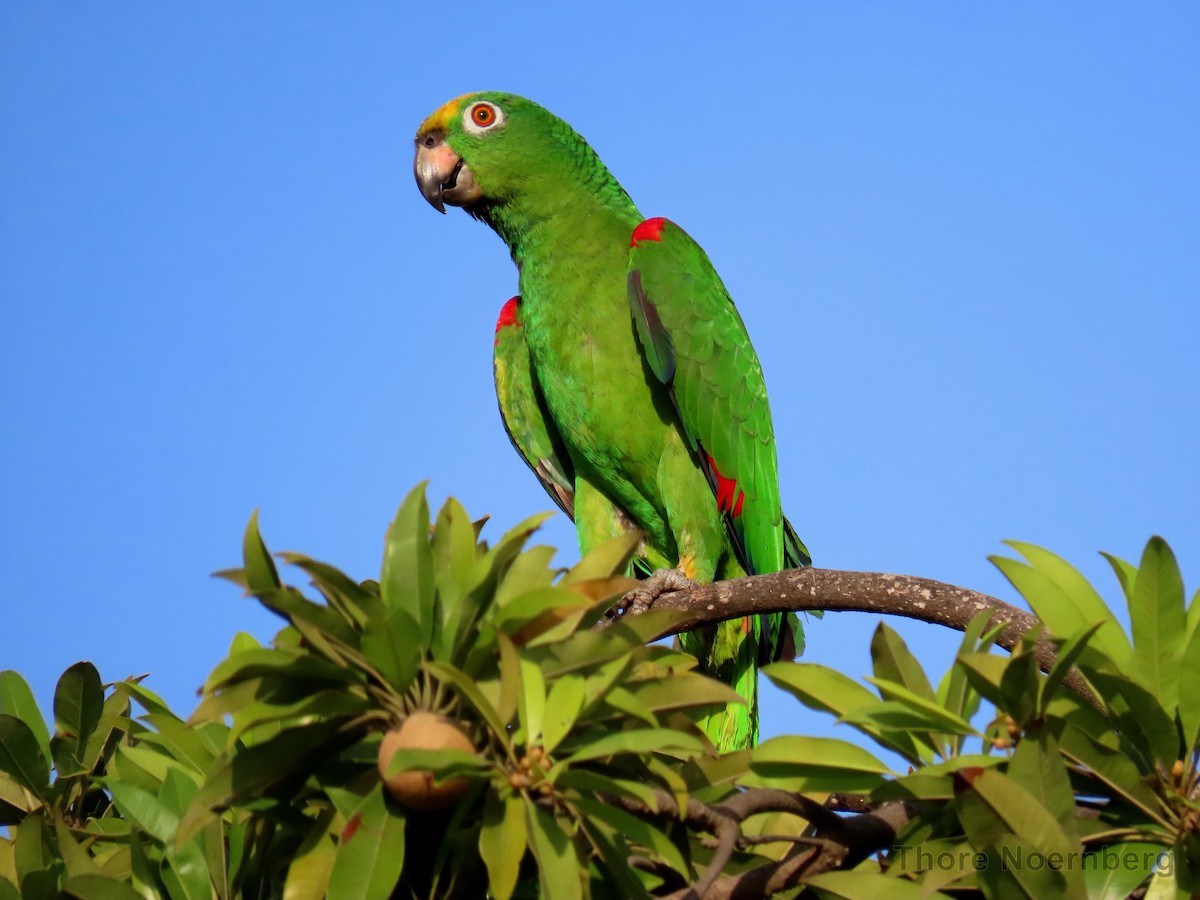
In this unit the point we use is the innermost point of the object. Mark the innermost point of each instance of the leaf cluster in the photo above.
(588, 776)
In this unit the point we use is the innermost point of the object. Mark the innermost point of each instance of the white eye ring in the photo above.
(472, 115)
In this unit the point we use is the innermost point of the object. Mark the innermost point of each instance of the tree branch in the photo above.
(833, 590)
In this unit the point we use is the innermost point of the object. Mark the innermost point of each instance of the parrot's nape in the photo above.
(625, 376)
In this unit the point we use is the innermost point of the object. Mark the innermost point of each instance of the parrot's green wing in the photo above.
(524, 412)
(696, 343)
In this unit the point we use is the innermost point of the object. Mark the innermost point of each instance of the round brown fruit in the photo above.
(416, 789)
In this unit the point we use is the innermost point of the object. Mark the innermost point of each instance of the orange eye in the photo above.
(483, 115)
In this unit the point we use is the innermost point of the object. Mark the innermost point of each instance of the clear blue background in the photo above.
(965, 239)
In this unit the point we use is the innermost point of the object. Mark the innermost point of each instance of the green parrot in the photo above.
(624, 373)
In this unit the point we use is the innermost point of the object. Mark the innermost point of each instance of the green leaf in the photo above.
(98, 887)
(892, 716)
(1116, 871)
(589, 782)
(563, 705)
(681, 690)
(77, 860)
(1111, 768)
(985, 671)
(252, 772)
(1072, 595)
(390, 643)
(894, 662)
(1068, 654)
(323, 705)
(510, 677)
(559, 872)
(1018, 869)
(21, 756)
(310, 869)
(827, 690)
(145, 810)
(260, 571)
(1019, 685)
(1037, 766)
(532, 702)
(17, 700)
(148, 700)
(819, 687)
(1126, 573)
(370, 855)
(819, 761)
(41, 884)
(78, 705)
(470, 692)
(453, 551)
(406, 578)
(1158, 622)
(114, 724)
(930, 710)
(1016, 811)
(529, 571)
(861, 885)
(502, 842)
(444, 763)
(1141, 718)
(640, 741)
(636, 830)
(609, 558)
(341, 592)
(186, 744)
(1189, 700)
(954, 692)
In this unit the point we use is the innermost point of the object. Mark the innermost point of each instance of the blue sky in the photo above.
(965, 239)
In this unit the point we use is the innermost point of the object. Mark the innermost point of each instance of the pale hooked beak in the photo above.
(441, 174)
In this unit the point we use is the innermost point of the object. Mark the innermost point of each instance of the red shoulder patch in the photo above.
(650, 230)
(729, 496)
(508, 314)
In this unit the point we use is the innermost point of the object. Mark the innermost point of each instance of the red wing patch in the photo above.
(729, 496)
(508, 316)
(650, 230)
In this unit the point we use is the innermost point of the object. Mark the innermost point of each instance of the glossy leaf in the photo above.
(371, 856)
(78, 705)
(563, 705)
(502, 842)
(97, 887)
(260, 572)
(16, 699)
(559, 871)
(1067, 602)
(865, 886)
(1118, 869)
(1158, 621)
(609, 558)
(392, 644)
(930, 710)
(406, 579)
(637, 831)
(893, 661)
(638, 740)
(1037, 766)
(21, 756)
(310, 869)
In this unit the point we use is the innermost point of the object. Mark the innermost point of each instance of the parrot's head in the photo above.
(482, 151)
(477, 147)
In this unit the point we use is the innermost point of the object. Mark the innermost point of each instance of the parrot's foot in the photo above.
(663, 581)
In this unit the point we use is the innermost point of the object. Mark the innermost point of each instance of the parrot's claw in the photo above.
(663, 581)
